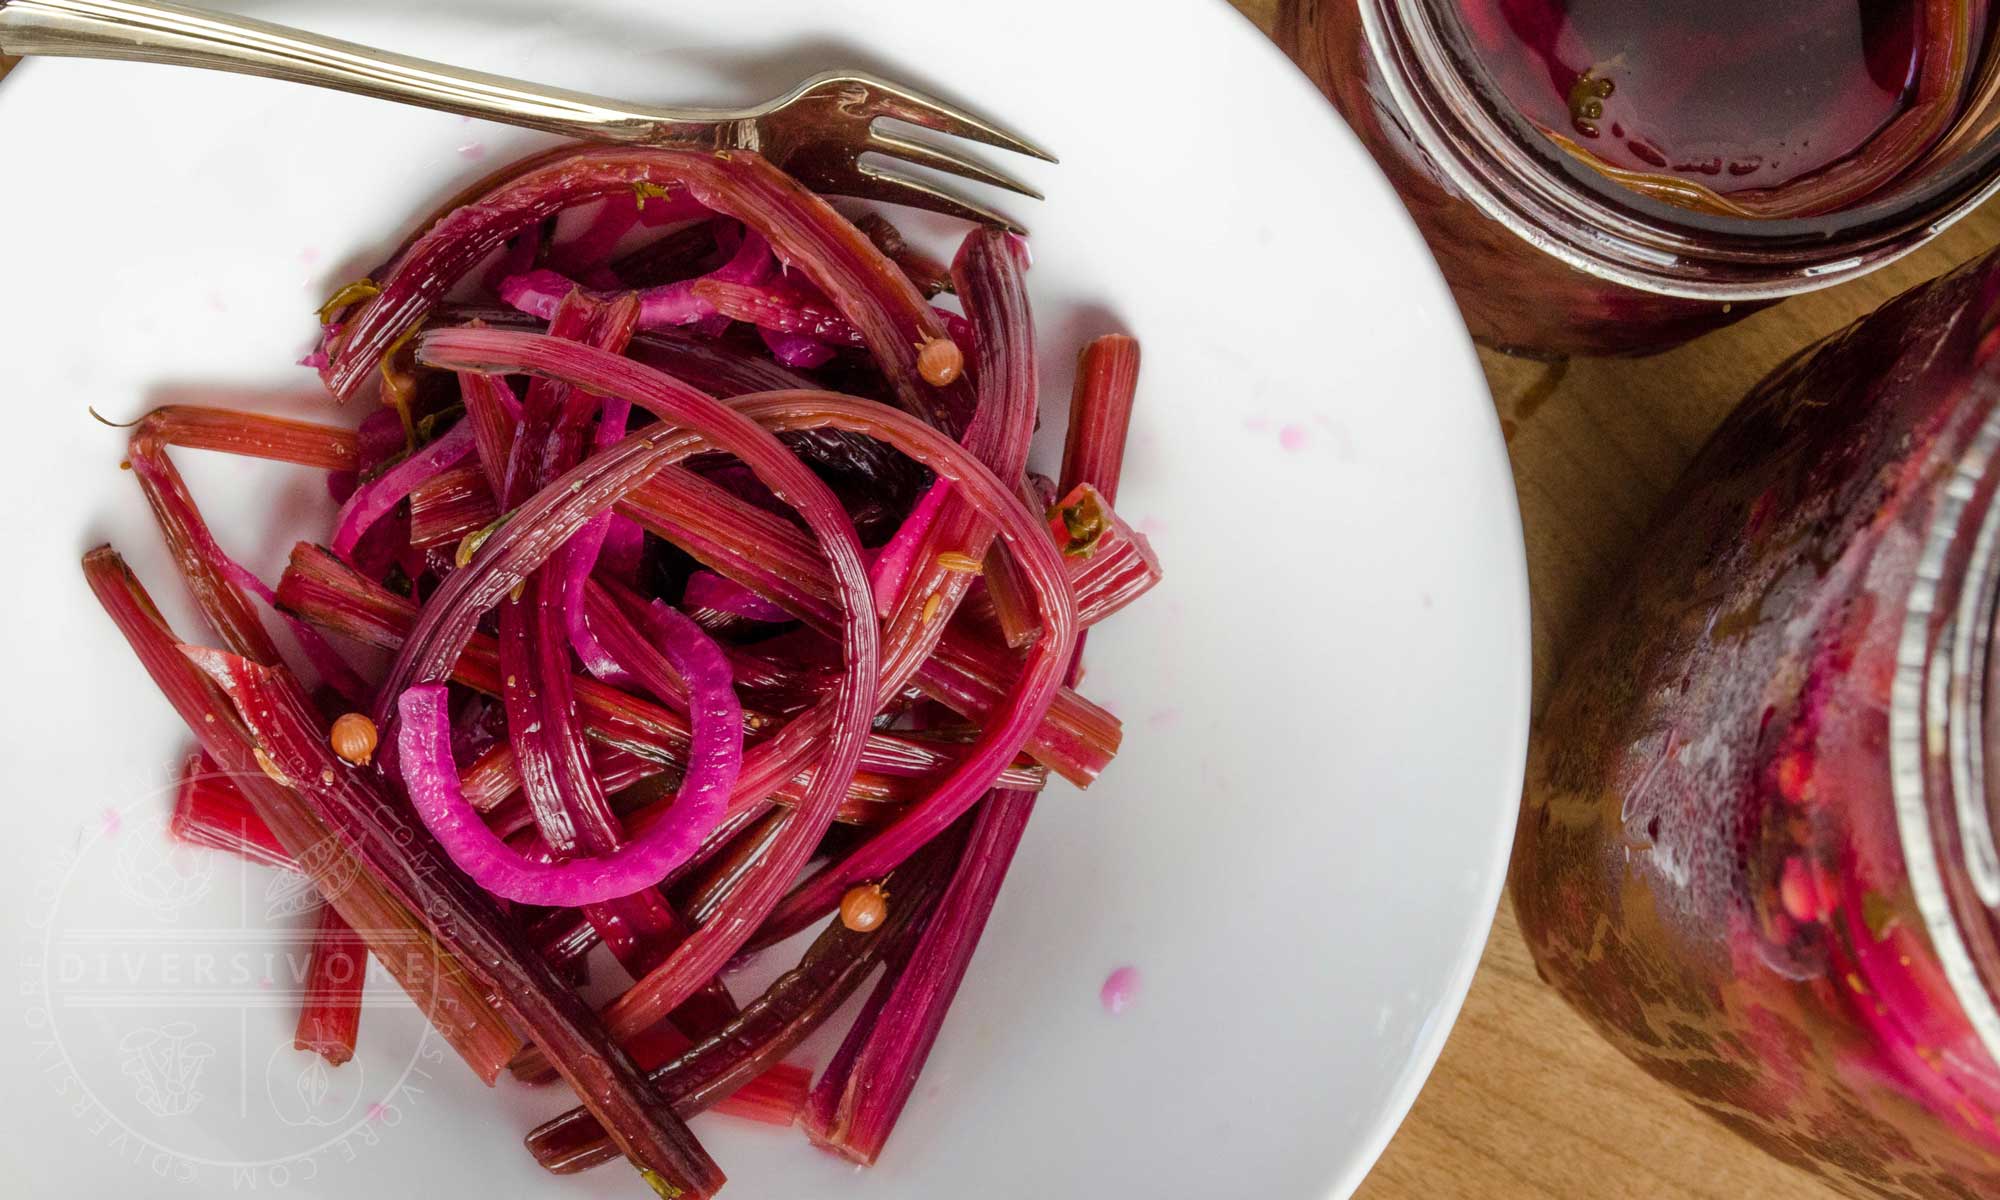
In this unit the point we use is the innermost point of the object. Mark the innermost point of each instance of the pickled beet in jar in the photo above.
(1602, 177)
(1761, 857)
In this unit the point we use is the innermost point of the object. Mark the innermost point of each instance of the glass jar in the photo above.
(1549, 257)
(1760, 854)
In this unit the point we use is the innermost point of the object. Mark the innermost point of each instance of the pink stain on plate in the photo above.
(1120, 989)
(1152, 526)
(1256, 424)
(1292, 438)
(472, 151)
(376, 1110)
(309, 256)
(110, 822)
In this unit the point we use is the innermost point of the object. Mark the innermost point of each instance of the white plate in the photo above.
(1299, 849)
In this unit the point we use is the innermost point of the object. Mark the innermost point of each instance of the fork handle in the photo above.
(150, 31)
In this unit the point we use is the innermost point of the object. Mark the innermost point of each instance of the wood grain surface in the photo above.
(1526, 1101)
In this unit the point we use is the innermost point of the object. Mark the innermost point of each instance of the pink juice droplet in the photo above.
(1121, 987)
(111, 822)
(1292, 438)
(376, 1110)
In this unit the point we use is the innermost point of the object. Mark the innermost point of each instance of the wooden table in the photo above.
(1527, 1101)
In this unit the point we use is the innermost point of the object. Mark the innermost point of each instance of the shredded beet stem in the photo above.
(221, 586)
(210, 810)
(856, 1102)
(991, 284)
(329, 594)
(967, 672)
(565, 793)
(401, 853)
(330, 1008)
(928, 274)
(988, 498)
(1100, 415)
(449, 505)
(795, 1004)
(854, 1106)
(802, 230)
(688, 577)
(442, 985)
(253, 435)
(988, 273)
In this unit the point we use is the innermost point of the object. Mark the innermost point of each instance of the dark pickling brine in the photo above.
(1778, 109)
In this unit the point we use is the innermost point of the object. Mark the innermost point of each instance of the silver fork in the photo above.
(818, 131)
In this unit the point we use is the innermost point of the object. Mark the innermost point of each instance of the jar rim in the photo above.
(1937, 721)
(1517, 176)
